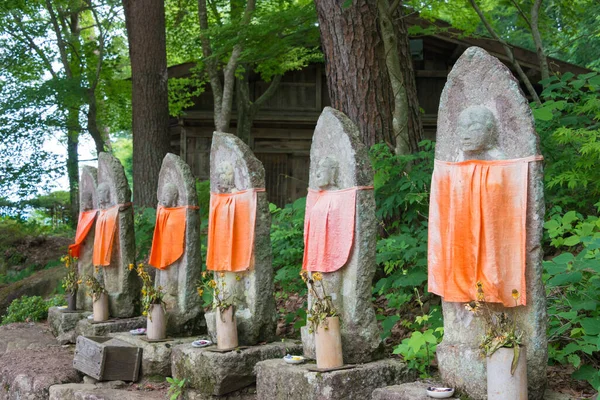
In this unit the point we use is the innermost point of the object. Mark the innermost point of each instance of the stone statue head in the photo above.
(225, 177)
(87, 201)
(327, 173)
(169, 195)
(104, 195)
(477, 130)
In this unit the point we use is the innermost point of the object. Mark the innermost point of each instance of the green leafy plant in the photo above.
(176, 388)
(30, 309)
(418, 349)
(144, 220)
(216, 285)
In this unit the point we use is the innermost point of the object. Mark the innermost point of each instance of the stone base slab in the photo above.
(86, 328)
(216, 374)
(63, 324)
(406, 391)
(156, 356)
(86, 391)
(247, 393)
(277, 380)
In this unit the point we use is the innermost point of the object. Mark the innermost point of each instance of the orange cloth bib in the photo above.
(84, 225)
(477, 219)
(106, 225)
(329, 228)
(169, 236)
(231, 221)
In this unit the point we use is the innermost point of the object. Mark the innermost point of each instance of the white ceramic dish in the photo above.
(139, 331)
(91, 316)
(61, 307)
(293, 359)
(201, 343)
(440, 392)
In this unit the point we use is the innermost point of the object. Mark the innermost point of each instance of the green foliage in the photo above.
(418, 350)
(30, 309)
(573, 289)
(122, 148)
(203, 192)
(569, 126)
(176, 388)
(144, 220)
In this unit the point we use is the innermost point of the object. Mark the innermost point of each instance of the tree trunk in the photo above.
(145, 21)
(73, 129)
(537, 39)
(355, 65)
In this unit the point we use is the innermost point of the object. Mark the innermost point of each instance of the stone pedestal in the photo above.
(156, 356)
(102, 390)
(63, 324)
(85, 327)
(277, 380)
(213, 373)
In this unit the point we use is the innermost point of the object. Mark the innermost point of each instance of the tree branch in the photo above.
(267, 94)
(537, 39)
(26, 39)
(509, 53)
(61, 43)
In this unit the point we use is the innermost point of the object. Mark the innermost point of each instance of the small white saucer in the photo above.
(62, 307)
(139, 331)
(293, 359)
(440, 392)
(91, 316)
(201, 343)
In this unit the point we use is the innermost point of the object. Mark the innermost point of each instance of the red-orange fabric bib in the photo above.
(477, 219)
(329, 228)
(84, 225)
(231, 223)
(169, 236)
(106, 226)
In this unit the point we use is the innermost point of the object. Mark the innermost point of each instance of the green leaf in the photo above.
(564, 258)
(591, 325)
(572, 240)
(566, 278)
(574, 360)
(543, 113)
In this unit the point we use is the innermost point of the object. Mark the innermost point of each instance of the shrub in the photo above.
(30, 309)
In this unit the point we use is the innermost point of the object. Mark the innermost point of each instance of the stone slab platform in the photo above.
(277, 380)
(406, 391)
(86, 328)
(217, 374)
(63, 324)
(86, 391)
(156, 356)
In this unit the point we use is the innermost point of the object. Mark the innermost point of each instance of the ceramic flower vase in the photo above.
(72, 301)
(328, 344)
(501, 384)
(100, 307)
(156, 328)
(227, 337)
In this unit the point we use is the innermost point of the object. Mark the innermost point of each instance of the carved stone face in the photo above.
(225, 177)
(87, 202)
(326, 174)
(103, 195)
(477, 129)
(169, 196)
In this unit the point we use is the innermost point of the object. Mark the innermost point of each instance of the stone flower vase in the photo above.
(100, 307)
(501, 385)
(328, 344)
(72, 301)
(156, 327)
(227, 336)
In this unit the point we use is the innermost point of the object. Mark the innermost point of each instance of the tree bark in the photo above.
(145, 22)
(355, 66)
(406, 120)
(73, 129)
(537, 40)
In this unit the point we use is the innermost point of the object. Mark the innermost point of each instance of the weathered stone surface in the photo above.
(121, 284)
(156, 357)
(63, 324)
(86, 328)
(277, 380)
(31, 362)
(248, 393)
(184, 312)
(405, 391)
(85, 391)
(213, 373)
(253, 293)
(337, 138)
(42, 283)
(88, 200)
(479, 79)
